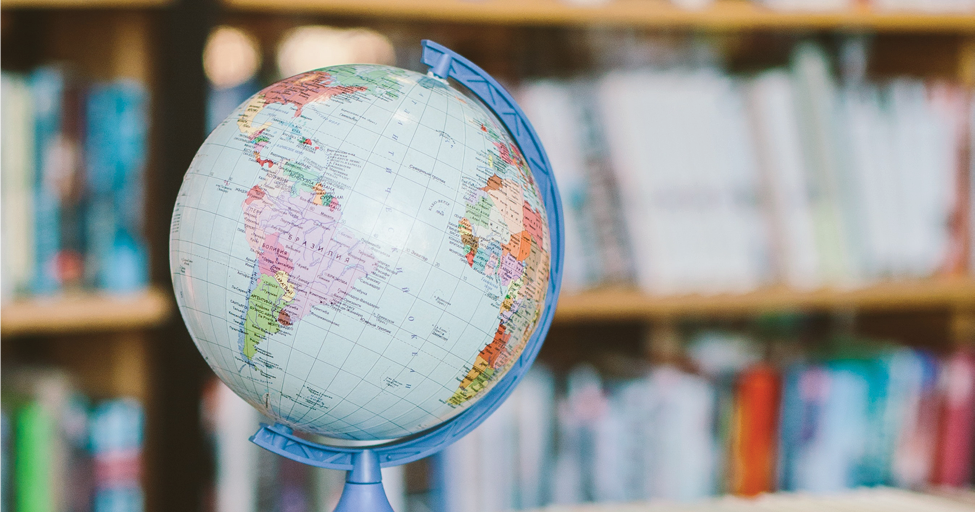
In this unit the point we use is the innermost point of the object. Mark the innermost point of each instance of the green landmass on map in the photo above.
(263, 308)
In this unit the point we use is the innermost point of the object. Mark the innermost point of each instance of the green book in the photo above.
(33, 445)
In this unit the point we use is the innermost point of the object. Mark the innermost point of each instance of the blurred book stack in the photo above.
(64, 452)
(691, 180)
(724, 418)
(250, 479)
(73, 164)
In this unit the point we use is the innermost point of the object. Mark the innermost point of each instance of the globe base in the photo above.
(363, 491)
(364, 486)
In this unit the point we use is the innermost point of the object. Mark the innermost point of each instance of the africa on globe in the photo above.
(360, 252)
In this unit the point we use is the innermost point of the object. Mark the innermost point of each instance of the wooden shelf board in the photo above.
(73, 314)
(722, 15)
(83, 4)
(628, 304)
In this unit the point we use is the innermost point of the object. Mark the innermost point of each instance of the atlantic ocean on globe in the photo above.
(362, 252)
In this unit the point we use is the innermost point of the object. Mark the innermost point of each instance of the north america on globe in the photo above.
(360, 251)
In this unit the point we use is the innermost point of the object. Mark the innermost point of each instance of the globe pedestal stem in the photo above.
(364, 486)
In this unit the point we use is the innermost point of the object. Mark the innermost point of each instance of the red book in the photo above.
(953, 456)
(951, 103)
(754, 431)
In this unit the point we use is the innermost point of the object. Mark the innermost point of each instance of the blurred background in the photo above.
(769, 279)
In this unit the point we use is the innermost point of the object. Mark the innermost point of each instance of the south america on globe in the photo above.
(360, 252)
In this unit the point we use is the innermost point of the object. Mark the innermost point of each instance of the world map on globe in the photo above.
(360, 251)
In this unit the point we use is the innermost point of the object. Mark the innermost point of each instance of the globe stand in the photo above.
(364, 486)
(363, 489)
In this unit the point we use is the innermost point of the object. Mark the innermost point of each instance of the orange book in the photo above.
(754, 430)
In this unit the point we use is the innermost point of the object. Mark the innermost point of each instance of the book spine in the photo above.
(753, 440)
(34, 446)
(953, 458)
(17, 187)
(116, 443)
(50, 156)
(116, 146)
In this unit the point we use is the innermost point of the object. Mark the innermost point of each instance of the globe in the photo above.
(360, 252)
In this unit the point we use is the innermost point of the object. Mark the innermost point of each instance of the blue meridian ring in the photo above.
(446, 63)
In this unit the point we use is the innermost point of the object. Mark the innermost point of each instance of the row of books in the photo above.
(874, 499)
(723, 421)
(62, 452)
(690, 180)
(72, 171)
(250, 479)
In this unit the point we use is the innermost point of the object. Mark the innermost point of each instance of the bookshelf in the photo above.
(619, 304)
(85, 313)
(83, 4)
(722, 15)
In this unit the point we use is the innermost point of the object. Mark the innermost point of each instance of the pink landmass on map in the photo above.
(305, 88)
(510, 270)
(274, 257)
(323, 259)
(532, 221)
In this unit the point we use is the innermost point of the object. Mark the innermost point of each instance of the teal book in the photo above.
(116, 430)
(117, 127)
(47, 87)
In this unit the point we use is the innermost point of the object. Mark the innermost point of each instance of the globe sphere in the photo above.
(360, 252)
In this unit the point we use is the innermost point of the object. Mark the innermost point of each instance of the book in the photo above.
(116, 443)
(956, 430)
(752, 437)
(688, 182)
(230, 421)
(784, 184)
(555, 115)
(53, 155)
(833, 203)
(48, 439)
(117, 131)
(5, 461)
(17, 180)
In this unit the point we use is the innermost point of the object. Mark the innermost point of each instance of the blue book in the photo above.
(117, 130)
(48, 86)
(116, 428)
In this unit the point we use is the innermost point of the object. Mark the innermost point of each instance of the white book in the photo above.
(236, 458)
(16, 185)
(871, 148)
(394, 483)
(779, 148)
(496, 445)
(682, 451)
(461, 473)
(923, 156)
(609, 457)
(583, 403)
(833, 200)
(686, 179)
(555, 115)
(534, 402)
